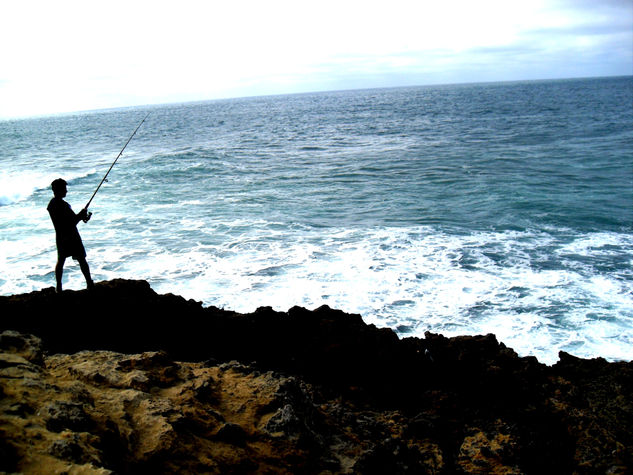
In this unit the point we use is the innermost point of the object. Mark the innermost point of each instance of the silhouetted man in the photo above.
(66, 235)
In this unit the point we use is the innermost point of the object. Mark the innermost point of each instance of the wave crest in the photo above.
(18, 186)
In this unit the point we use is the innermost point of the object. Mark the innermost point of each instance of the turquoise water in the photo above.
(462, 209)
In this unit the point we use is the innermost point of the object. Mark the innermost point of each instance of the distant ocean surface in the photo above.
(464, 209)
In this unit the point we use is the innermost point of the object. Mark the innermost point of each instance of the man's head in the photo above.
(59, 188)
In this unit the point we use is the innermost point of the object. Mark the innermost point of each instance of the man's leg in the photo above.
(85, 269)
(59, 272)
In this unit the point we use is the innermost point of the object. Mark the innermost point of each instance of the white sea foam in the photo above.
(595, 244)
(411, 279)
(17, 185)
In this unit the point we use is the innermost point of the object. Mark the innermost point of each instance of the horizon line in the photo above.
(320, 91)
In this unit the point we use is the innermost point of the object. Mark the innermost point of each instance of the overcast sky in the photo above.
(60, 56)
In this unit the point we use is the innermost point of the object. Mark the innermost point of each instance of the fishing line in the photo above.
(113, 163)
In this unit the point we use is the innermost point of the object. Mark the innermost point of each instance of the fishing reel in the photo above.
(86, 217)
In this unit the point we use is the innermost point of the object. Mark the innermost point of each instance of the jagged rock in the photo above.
(28, 347)
(395, 456)
(296, 418)
(67, 449)
(286, 423)
(9, 456)
(482, 453)
(152, 383)
(60, 415)
(232, 434)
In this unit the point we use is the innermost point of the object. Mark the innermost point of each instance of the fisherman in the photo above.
(66, 235)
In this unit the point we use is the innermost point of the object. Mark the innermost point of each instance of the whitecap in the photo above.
(17, 186)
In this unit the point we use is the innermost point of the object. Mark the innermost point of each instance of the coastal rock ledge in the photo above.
(120, 379)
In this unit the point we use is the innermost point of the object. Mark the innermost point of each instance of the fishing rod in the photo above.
(113, 163)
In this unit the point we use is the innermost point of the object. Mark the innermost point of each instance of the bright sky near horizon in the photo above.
(61, 56)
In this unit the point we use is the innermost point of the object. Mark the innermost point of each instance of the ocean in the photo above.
(502, 208)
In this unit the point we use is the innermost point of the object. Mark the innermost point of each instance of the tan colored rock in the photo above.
(345, 397)
(485, 453)
(105, 412)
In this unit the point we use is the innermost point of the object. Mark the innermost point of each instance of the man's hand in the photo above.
(84, 215)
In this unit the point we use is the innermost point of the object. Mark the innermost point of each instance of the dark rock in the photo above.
(67, 415)
(286, 422)
(9, 456)
(425, 425)
(393, 457)
(67, 449)
(80, 394)
(232, 434)
(205, 391)
(296, 418)
(19, 409)
(574, 417)
(27, 346)
(236, 366)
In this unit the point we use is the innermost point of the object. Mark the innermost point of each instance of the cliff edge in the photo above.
(120, 379)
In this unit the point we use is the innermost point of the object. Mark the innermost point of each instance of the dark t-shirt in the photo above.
(65, 221)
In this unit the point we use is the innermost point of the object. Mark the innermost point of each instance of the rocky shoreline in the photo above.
(120, 379)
